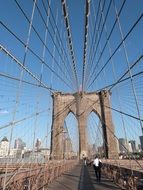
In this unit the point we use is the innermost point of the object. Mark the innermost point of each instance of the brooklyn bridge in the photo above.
(71, 77)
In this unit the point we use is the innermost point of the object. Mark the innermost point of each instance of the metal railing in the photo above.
(33, 176)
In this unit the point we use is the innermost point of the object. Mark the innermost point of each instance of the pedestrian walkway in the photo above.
(82, 178)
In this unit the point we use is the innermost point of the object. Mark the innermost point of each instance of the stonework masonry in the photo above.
(81, 105)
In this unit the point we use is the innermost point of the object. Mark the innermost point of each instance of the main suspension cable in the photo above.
(70, 40)
(87, 12)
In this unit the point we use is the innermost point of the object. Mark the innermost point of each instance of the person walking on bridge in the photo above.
(97, 164)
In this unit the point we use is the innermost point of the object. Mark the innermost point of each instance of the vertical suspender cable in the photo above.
(45, 41)
(54, 49)
(114, 74)
(19, 90)
(70, 41)
(87, 11)
(128, 65)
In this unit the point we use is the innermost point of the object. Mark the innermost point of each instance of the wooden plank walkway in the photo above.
(82, 178)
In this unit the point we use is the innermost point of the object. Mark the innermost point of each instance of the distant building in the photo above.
(118, 146)
(19, 144)
(68, 148)
(130, 147)
(139, 148)
(4, 146)
(42, 155)
(123, 145)
(38, 144)
(141, 141)
(133, 145)
(16, 153)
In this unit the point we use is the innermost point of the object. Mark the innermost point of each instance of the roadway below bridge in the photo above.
(82, 178)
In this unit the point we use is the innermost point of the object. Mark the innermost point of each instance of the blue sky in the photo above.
(32, 98)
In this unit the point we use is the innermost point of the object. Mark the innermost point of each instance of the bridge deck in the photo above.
(82, 178)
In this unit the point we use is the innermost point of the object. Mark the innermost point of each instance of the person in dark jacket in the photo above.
(97, 164)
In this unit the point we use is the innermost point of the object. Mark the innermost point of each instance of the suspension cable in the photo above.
(112, 131)
(70, 40)
(109, 36)
(45, 42)
(119, 45)
(58, 38)
(87, 12)
(98, 36)
(50, 53)
(24, 67)
(19, 90)
(128, 65)
(93, 37)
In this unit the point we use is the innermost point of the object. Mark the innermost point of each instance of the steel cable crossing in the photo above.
(95, 36)
(98, 40)
(47, 29)
(110, 131)
(37, 56)
(87, 12)
(121, 43)
(117, 48)
(70, 41)
(110, 86)
(25, 68)
(58, 38)
(19, 89)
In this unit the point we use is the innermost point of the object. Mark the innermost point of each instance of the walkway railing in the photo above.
(127, 178)
(32, 176)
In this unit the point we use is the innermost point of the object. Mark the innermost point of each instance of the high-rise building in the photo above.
(67, 147)
(130, 147)
(139, 148)
(141, 141)
(4, 146)
(123, 145)
(133, 145)
(38, 144)
(19, 144)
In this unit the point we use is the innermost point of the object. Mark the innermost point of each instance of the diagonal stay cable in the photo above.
(128, 65)
(53, 40)
(103, 25)
(39, 58)
(58, 36)
(119, 45)
(120, 81)
(69, 40)
(24, 81)
(109, 36)
(116, 110)
(24, 67)
(126, 72)
(40, 36)
(95, 30)
(111, 132)
(23, 119)
(98, 35)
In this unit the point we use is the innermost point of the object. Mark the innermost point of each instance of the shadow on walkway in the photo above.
(82, 178)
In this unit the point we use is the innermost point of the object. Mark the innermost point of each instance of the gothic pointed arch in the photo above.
(81, 105)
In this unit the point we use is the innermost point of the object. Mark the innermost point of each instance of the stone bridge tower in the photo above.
(81, 105)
